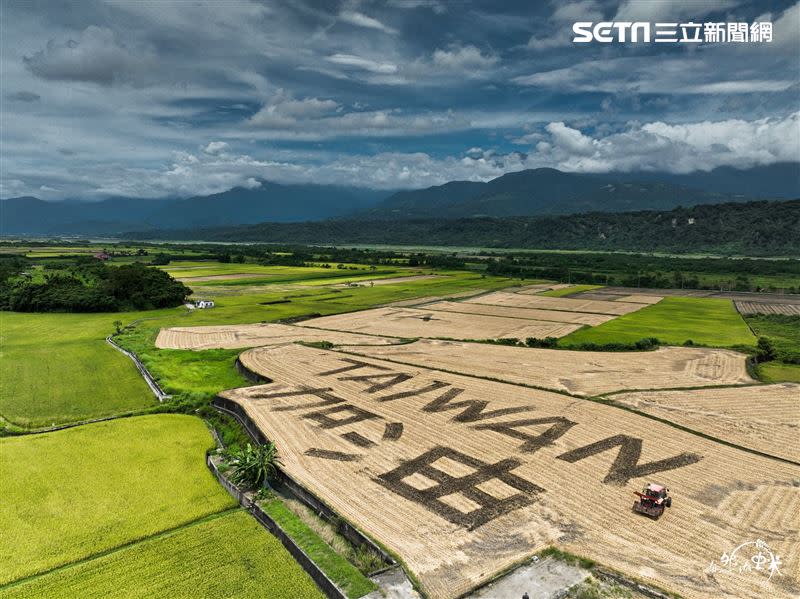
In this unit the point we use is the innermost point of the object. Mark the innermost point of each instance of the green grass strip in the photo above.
(344, 574)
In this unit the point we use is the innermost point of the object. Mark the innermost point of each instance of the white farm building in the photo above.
(201, 304)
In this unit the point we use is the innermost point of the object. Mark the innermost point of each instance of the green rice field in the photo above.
(226, 556)
(673, 320)
(71, 494)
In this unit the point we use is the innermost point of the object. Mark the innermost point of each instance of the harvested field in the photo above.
(390, 281)
(765, 418)
(463, 477)
(253, 335)
(640, 299)
(577, 372)
(419, 301)
(764, 308)
(514, 312)
(533, 289)
(231, 277)
(500, 298)
(418, 322)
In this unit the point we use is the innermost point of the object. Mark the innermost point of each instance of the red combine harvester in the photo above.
(652, 501)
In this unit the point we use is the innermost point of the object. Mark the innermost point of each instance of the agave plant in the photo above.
(253, 466)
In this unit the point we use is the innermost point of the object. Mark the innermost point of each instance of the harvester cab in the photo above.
(652, 501)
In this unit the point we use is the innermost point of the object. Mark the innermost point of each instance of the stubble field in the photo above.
(520, 300)
(766, 308)
(418, 322)
(464, 477)
(514, 312)
(577, 372)
(764, 418)
(252, 335)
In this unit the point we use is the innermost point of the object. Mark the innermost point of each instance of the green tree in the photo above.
(765, 351)
(253, 466)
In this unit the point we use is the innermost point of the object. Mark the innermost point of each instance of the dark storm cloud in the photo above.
(23, 96)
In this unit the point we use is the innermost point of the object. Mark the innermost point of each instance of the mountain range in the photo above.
(758, 228)
(525, 193)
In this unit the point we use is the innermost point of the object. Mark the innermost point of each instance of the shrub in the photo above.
(253, 466)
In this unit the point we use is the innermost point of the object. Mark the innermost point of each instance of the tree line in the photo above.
(87, 286)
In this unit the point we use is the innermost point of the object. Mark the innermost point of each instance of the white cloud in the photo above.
(215, 147)
(582, 10)
(361, 20)
(350, 60)
(283, 111)
(312, 118)
(680, 75)
(682, 148)
(655, 146)
(560, 26)
(463, 58)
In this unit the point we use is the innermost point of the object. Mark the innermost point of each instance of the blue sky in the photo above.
(156, 99)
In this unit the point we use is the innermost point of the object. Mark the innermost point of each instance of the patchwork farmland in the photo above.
(461, 459)
(481, 474)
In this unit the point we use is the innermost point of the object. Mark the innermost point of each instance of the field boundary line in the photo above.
(148, 378)
(155, 536)
(60, 427)
(249, 504)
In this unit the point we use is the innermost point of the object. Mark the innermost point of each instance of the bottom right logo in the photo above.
(752, 556)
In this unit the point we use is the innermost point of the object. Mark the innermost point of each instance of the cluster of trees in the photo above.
(749, 228)
(92, 287)
(294, 255)
(644, 344)
(637, 270)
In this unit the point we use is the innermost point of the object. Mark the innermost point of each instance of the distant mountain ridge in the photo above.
(759, 228)
(550, 191)
(269, 202)
(524, 193)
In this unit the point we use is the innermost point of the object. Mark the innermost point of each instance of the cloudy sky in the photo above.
(151, 98)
